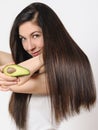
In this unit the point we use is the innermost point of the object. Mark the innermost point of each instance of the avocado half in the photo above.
(15, 70)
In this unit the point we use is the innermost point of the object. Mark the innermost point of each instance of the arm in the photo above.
(33, 85)
(5, 58)
(33, 64)
(36, 85)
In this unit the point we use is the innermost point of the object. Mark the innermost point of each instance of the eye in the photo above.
(35, 36)
(22, 39)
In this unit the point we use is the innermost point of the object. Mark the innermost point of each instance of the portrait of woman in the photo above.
(61, 78)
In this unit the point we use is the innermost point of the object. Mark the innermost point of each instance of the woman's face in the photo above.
(31, 37)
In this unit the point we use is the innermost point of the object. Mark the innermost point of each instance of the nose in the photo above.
(30, 45)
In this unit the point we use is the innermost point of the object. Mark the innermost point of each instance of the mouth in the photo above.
(36, 53)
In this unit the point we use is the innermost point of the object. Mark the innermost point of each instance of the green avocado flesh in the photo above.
(15, 70)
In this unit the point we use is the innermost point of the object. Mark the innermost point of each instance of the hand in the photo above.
(36, 85)
(6, 81)
(26, 87)
(33, 64)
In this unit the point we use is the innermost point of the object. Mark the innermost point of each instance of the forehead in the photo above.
(30, 27)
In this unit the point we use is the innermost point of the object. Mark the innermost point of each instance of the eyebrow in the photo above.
(31, 33)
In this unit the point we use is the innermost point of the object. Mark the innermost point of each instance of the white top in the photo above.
(39, 114)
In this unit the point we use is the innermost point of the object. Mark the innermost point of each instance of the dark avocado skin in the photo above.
(15, 70)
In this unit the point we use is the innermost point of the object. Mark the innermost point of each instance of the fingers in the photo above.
(4, 76)
(7, 83)
(4, 89)
(8, 78)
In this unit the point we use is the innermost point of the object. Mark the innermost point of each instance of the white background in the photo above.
(80, 18)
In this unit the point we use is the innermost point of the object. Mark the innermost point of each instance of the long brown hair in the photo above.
(69, 74)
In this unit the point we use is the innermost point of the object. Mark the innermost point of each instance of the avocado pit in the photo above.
(11, 70)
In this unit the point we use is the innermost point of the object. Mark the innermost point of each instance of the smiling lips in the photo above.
(36, 53)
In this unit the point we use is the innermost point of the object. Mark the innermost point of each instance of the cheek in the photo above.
(24, 46)
(42, 44)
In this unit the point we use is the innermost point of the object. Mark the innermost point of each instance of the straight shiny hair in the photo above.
(70, 79)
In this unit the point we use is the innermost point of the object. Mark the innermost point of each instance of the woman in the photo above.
(66, 74)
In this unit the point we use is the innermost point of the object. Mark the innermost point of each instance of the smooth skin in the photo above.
(32, 40)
